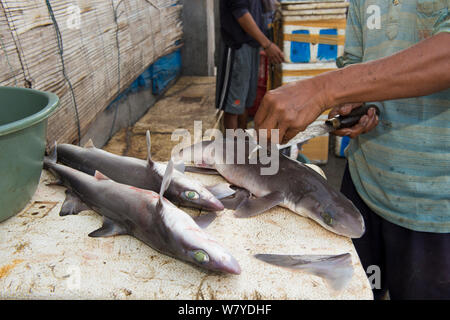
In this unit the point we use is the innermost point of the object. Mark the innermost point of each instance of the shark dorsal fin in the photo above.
(100, 176)
(179, 166)
(89, 144)
(166, 179)
(149, 146)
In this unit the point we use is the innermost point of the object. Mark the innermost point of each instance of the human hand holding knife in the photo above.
(359, 118)
(338, 124)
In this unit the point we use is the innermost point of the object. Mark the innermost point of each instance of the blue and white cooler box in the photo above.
(313, 41)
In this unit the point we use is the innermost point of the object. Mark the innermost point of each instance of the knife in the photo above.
(330, 125)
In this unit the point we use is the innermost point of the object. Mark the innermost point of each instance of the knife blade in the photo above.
(330, 125)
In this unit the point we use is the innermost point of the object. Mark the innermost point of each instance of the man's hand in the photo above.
(291, 108)
(274, 54)
(249, 25)
(365, 124)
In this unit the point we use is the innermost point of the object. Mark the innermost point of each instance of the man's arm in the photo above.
(420, 70)
(249, 25)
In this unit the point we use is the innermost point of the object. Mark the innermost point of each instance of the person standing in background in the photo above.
(243, 31)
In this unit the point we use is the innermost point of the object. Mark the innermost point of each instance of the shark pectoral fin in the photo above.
(252, 207)
(336, 270)
(221, 190)
(201, 170)
(89, 144)
(108, 229)
(232, 202)
(100, 176)
(72, 205)
(204, 220)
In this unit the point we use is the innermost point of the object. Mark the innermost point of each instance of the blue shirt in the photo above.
(401, 169)
(230, 11)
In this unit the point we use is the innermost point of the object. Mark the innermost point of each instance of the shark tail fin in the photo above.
(51, 157)
(50, 164)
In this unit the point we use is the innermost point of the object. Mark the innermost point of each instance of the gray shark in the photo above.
(145, 215)
(294, 186)
(143, 174)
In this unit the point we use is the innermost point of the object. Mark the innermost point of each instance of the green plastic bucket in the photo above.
(23, 128)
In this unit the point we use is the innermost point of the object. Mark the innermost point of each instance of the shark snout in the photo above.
(231, 266)
(348, 222)
(213, 204)
(359, 228)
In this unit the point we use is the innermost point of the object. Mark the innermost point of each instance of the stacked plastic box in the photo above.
(312, 36)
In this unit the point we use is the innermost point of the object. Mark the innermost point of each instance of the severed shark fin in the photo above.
(72, 205)
(336, 270)
(253, 207)
(108, 229)
(204, 220)
(221, 190)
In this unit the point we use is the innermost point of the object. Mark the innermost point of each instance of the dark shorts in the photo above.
(413, 265)
(237, 78)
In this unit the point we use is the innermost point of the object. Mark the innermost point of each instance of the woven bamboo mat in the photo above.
(86, 54)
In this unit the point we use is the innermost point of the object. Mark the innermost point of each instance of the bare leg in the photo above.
(230, 121)
(242, 120)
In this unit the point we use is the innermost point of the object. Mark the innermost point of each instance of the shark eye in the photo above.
(191, 195)
(327, 218)
(200, 256)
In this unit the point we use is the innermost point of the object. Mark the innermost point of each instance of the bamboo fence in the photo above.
(86, 52)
